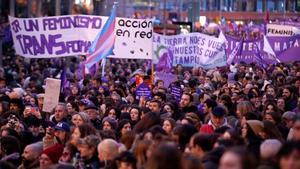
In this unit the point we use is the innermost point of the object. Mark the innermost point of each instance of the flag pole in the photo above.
(152, 72)
(103, 63)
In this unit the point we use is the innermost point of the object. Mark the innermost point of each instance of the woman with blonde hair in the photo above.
(243, 109)
(80, 118)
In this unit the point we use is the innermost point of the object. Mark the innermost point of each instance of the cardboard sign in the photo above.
(51, 94)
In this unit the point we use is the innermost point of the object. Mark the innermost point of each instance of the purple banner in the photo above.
(165, 62)
(286, 48)
(176, 92)
(143, 90)
(168, 78)
(249, 50)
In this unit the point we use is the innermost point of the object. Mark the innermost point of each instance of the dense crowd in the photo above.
(241, 116)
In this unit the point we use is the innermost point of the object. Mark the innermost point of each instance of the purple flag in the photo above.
(258, 57)
(64, 81)
(246, 50)
(286, 48)
(236, 51)
(93, 69)
(80, 71)
(165, 61)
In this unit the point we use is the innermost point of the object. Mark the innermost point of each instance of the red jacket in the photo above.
(206, 128)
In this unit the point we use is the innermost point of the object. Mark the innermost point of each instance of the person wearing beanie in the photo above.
(50, 156)
(109, 123)
(217, 120)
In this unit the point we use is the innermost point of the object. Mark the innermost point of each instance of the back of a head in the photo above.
(37, 148)
(245, 107)
(247, 159)
(184, 133)
(270, 148)
(288, 148)
(211, 103)
(6, 165)
(165, 156)
(192, 162)
(149, 120)
(108, 149)
(86, 129)
(204, 141)
(272, 131)
(10, 144)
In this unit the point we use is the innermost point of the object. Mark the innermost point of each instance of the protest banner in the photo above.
(167, 78)
(287, 22)
(281, 30)
(248, 50)
(190, 50)
(286, 49)
(71, 35)
(52, 91)
(143, 90)
(176, 92)
(284, 40)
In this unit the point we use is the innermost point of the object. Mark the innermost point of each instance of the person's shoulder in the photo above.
(206, 128)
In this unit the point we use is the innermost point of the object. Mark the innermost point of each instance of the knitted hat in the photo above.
(54, 152)
(111, 121)
(256, 125)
